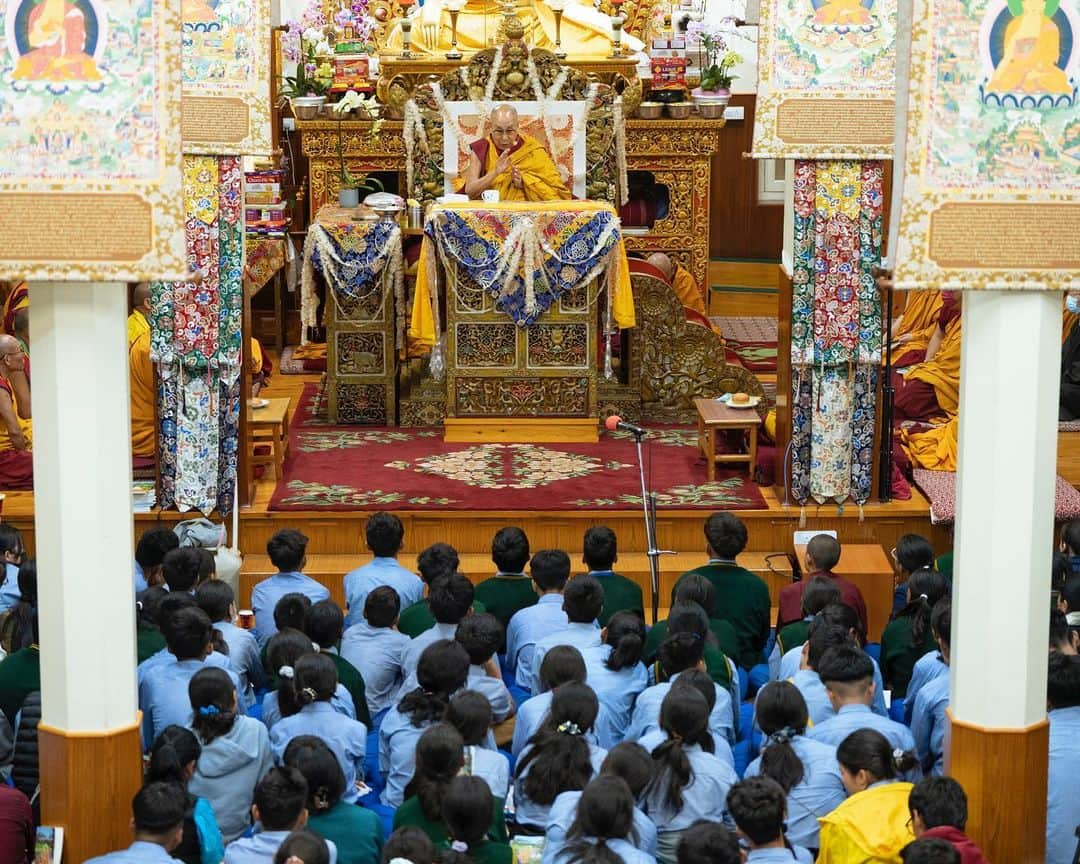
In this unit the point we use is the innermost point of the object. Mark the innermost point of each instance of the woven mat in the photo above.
(939, 487)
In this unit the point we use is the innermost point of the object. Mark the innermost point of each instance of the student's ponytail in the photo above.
(684, 717)
(213, 703)
(868, 750)
(926, 588)
(559, 758)
(467, 810)
(440, 753)
(782, 716)
(626, 636)
(442, 671)
(605, 812)
(283, 652)
(172, 751)
(315, 679)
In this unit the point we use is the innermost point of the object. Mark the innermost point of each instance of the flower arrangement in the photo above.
(716, 61)
(354, 28)
(350, 102)
(305, 43)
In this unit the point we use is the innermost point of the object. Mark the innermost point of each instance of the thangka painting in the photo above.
(991, 191)
(226, 57)
(560, 130)
(90, 172)
(826, 79)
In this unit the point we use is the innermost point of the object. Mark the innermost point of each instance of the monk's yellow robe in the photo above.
(942, 372)
(933, 449)
(540, 178)
(918, 321)
(136, 326)
(686, 288)
(143, 393)
(17, 299)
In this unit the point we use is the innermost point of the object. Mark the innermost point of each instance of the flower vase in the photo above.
(348, 198)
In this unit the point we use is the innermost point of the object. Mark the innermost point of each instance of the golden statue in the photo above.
(57, 36)
(1032, 45)
(843, 12)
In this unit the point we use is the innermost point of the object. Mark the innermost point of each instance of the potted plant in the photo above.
(350, 188)
(310, 50)
(717, 64)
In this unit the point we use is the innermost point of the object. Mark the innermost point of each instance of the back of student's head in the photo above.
(870, 751)
(782, 715)
(758, 805)
(925, 588)
(27, 581)
(563, 664)
(450, 598)
(290, 612)
(1070, 537)
(1061, 633)
(605, 812)
(824, 551)
(409, 843)
(839, 615)
(819, 592)
(17, 630)
(148, 607)
(441, 671)
(510, 550)
(181, 568)
(726, 534)
(1063, 681)
(316, 679)
(1070, 593)
(689, 618)
(625, 633)
(930, 850)
(283, 652)
(440, 753)
(632, 763)
(171, 603)
(470, 713)
(939, 801)
(1060, 570)
(382, 607)
(467, 807)
(384, 533)
(708, 843)
(172, 753)
(152, 547)
(941, 620)
(550, 569)
(324, 623)
(187, 633)
(701, 681)
(558, 759)
(480, 636)
(846, 670)
(583, 600)
(304, 846)
(695, 589)
(216, 599)
(213, 703)
(684, 718)
(438, 559)
(601, 548)
(281, 799)
(158, 808)
(680, 652)
(914, 552)
(287, 549)
(314, 759)
(823, 638)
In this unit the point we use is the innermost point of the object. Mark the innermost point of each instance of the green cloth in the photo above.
(794, 634)
(505, 594)
(619, 593)
(726, 638)
(20, 675)
(742, 599)
(148, 642)
(349, 678)
(411, 813)
(945, 564)
(356, 832)
(488, 852)
(418, 618)
(898, 654)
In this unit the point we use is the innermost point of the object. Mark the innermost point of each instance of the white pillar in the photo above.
(82, 505)
(1010, 374)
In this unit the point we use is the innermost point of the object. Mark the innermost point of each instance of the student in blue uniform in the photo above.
(809, 684)
(928, 718)
(700, 681)
(480, 636)
(450, 601)
(377, 650)
(470, 713)
(158, 817)
(288, 553)
(759, 807)
(583, 601)
(384, 534)
(1062, 802)
(550, 569)
(217, 600)
(604, 827)
(282, 654)
(614, 669)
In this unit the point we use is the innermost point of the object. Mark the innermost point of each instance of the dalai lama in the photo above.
(515, 165)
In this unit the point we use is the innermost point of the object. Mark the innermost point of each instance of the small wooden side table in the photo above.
(713, 415)
(270, 425)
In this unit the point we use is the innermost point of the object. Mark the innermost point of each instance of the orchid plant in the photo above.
(717, 62)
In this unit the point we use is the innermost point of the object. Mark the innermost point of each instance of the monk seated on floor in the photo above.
(16, 431)
(660, 266)
(915, 327)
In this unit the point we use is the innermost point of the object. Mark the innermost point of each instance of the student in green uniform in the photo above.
(467, 808)
(693, 588)
(439, 559)
(820, 592)
(148, 638)
(620, 593)
(908, 636)
(324, 624)
(509, 589)
(20, 675)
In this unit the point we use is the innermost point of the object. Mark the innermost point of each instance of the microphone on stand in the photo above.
(616, 422)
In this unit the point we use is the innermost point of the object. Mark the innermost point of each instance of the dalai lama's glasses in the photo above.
(498, 132)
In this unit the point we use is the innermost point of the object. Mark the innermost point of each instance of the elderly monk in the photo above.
(514, 165)
(138, 321)
(681, 280)
(16, 432)
(143, 394)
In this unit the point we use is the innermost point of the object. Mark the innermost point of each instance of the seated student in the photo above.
(908, 637)
(1063, 639)
(356, 832)
(1070, 543)
(689, 783)
(470, 713)
(848, 676)
(928, 720)
(550, 569)
(480, 636)
(282, 654)
(1060, 571)
(314, 682)
(376, 650)
(439, 559)
(700, 681)
(557, 758)
(324, 625)
(11, 545)
(741, 597)
(384, 534)
(938, 808)
(873, 823)
(695, 589)
(163, 692)
(677, 655)
(759, 807)
(603, 829)
(930, 851)
(509, 590)
(185, 569)
(630, 763)
(692, 619)
(280, 808)
(822, 554)
(614, 669)
(601, 551)
(409, 844)
(173, 757)
(171, 603)
(158, 819)
(451, 600)
(235, 751)
(150, 552)
(304, 846)
(287, 550)
(440, 757)
(216, 599)
(912, 552)
(16, 632)
(467, 811)
(441, 672)
(148, 638)
(808, 681)
(819, 593)
(1070, 601)
(583, 600)
(1062, 802)
(20, 675)
(708, 843)
(290, 613)
(806, 770)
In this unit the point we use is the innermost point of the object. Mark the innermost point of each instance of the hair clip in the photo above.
(460, 846)
(897, 755)
(286, 672)
(209, 711)
(315, 647)
(396, 861)
(569, 727)
(923, 597)
(785, 734)
(310, 693)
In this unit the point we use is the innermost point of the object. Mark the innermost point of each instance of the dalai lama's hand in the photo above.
(502, 164)
(516, 179)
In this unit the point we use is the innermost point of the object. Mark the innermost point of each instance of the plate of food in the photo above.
(258, 403)
(742, 400)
